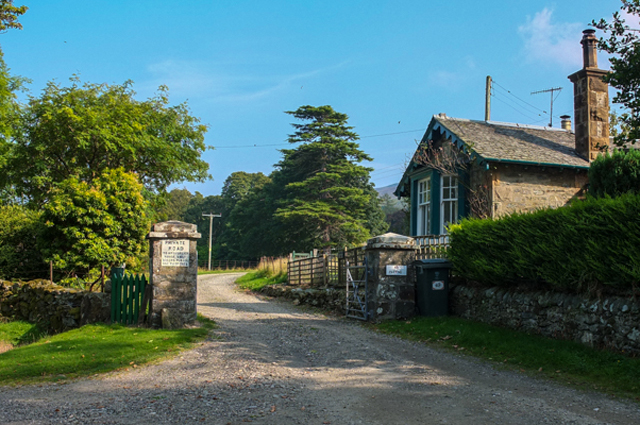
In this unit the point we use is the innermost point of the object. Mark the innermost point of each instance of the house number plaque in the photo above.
(396, 270)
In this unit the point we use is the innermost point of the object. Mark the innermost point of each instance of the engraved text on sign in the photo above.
(175, 253)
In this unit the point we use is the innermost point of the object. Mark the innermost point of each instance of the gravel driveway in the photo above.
(278, 364)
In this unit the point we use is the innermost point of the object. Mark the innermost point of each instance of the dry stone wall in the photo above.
(325, 298)
(612, 323)
(54, 307)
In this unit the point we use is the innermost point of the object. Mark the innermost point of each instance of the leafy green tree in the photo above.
(198, 205)
(255, 230)
(326, 191)
(20, 231)
(9, 118)
(238, 185)
(174, 207)
(389, 204)
(9, 15)
(80, 131)
(92, 224)
(246, 230)
(623, 43)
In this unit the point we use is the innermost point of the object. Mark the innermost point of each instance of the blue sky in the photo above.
(389, 65)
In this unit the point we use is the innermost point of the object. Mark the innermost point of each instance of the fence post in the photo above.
(325, 267)
(51, 272)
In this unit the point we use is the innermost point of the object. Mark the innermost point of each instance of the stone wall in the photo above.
(517, 188)
(325, 298)
(612, 323)
(54, 307)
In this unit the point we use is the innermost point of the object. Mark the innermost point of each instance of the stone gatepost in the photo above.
(173, 265)
(391, 284)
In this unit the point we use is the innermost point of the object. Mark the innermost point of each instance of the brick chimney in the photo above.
(590, 102)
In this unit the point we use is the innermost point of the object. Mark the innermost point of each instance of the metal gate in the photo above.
(357, 278)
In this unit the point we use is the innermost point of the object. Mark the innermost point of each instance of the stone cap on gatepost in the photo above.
(391, 241)
(174, 230)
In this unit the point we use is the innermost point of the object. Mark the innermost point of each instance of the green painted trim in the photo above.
(462, 196)
(436, 180)
(413, 215)
(540, 164)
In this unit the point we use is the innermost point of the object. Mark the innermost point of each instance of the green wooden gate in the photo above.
(128, 298)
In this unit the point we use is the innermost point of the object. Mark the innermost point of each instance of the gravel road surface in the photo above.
(275, 363)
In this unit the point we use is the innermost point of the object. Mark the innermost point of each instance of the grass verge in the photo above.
(567, 362)
(16, 333)
(90, 350)
(258, 279)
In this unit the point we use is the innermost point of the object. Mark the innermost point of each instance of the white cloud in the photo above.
(193, 80)
(552, 43)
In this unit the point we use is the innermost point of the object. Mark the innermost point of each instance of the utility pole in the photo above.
(211, 215)
(551, 90)
(487, 101)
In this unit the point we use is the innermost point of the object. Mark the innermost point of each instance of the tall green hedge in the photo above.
(615, 174)
(577, 248)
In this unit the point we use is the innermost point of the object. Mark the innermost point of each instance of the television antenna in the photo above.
(551, 90)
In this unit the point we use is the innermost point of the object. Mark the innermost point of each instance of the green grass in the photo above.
(90, 350)
(16, 333)
(567, 362)
(258, 279)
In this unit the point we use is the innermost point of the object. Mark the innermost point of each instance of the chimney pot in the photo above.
(566, 122)
(589, 49)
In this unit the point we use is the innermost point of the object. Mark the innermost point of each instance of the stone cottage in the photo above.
(488, 169)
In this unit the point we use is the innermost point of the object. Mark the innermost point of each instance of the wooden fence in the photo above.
(321, 270)
(312, 271)
(433, 246)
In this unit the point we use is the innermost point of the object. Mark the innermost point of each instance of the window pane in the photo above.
(445, 193)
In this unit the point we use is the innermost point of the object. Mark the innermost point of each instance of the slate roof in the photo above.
(495, 141)
(503, 142)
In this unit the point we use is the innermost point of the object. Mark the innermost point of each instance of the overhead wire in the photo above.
(525, 103)
(287, 143)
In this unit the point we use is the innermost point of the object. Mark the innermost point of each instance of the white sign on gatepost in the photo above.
(175, 253)
(393, 270)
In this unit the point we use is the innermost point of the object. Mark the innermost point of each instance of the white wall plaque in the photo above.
(175, 253)
(396, 270)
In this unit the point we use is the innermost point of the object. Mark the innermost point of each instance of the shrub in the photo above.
(99, 223)
(615, 174)
(20, 230)
(578, 248)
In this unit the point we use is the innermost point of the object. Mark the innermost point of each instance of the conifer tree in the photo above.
(326, 192)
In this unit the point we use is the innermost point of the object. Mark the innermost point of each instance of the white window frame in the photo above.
(423, 224)
(448, 201)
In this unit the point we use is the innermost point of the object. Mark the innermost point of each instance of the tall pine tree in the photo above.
(327, 193)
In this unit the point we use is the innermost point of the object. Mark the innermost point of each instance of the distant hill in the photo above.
(387, 190)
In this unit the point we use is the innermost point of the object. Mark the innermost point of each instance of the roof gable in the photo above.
(489, 141)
